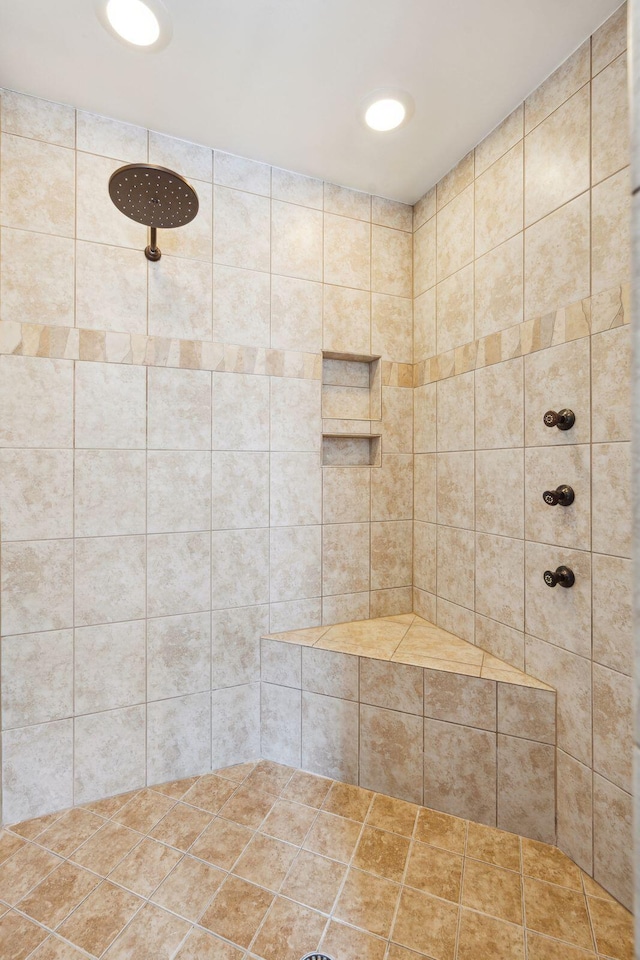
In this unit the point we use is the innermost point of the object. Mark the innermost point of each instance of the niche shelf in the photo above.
(351, 409)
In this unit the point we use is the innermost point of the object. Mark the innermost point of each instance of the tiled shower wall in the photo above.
(163, 501)
(521, 269)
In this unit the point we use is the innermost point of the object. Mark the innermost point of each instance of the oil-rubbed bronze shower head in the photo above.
(154, 196)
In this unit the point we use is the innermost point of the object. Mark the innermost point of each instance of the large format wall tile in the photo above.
(391, 752)
(461, 772)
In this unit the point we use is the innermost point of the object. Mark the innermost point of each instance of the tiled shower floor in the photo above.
(264, 861)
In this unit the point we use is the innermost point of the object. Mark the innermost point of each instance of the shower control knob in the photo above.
(563, 420)
(562, 575)
(562, 495)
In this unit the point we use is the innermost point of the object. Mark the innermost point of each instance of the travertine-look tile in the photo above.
(458, 699)
(495, 513)
(435, 871)
(455, 405)
(178, 737)
(527, 712)
(554, 379)
(496, 387)
(347, 252)
(612, 633)
(330, 736)
(390, 752)
(611, 498)
(500, 140)
(37, 397)
(460, 776)
(235, 718)
(569, 77)
(455, 234)
(574, 803)
(37, 186)
(498, 201)
(612, 726)
(100, 918)
(557, 912)
(118, 735)
(610, 133)
(610, 231)
(237, 911)
(526, 787)
(36, 278)
(241, 235)
(499, 287)
(390, 261)
(37, 684)
(426, 924)
(480, 934)
(179, 410)
(38, 119)
(296, 314)
(612, 825)
(391, 327)
(545, 469)
(557, 258)
(235, 647)
(296, 237)
(346, 322)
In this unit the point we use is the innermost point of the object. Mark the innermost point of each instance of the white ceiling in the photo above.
(281, 80)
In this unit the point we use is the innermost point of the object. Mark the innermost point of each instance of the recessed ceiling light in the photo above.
(143, 23)
(385, 110)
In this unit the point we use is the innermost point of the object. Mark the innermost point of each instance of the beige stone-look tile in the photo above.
(248, 807)
(424, 557)
(557, 258)
(571, 676)
(296, 237)
(562, 84)
(191, 159)
(237, 911)
(367, 902)
(295, 489)
(480, 935)
(333, 836)
(209, 792)
(424, 325)
(346, 320)
(178, 491)
(426, 924)
(36, 278)
(203, 946)
(38, 119)
(455, 234)
(235, 647)
(453, 182)
(54, 949)
(25, 870)
(118, 735)
(181, 826)
(58, 895)
(424, 488)
(455, 406)
(574, 815)
(391, 252)
(610, 489)
(330, 736)
(493, 891)
(231, 550)
(37, 186)
(612, 633)
(390, 752)
(295, 414)
(289, 821)
(526, 787)
(178, 573)
(498, 387)
(610, 234)
(280, 663)
(547, 863)
(441, 830)
(458, 699)
(500, 140)
(111, 288)
(435, 871)
(503, 642)
(37, 769)
(153, 935)
(397, 420)
(391, 327)
(280, 725)
(241, 235)
(460, 770)
(612, 819)
(109, 492)
(96, 215)
(235, 720)
(295, 188)
(102, 852)
(610, 125)
(424, 257)
(346, 494)
(179, 409)
(36, 585)
(265, 861)
(554, 379)
(288, 931)
(347, 252)
(110, 410)
(240, 492)
(36, 395)
(100, 918)
(394, 686)
(295, 563)
(557, 158)
(37, 684)
(498, 201)
(392, 213)
(456, 550)
(494, 513)
(351, 943)
(110, 138)
(392, 488)
(610, 40)
(242, 174)
(612, 726)
(306, 788)
(346, 202)
(296, 314)
(425, 208)
(389, 813)
(557, 912)
(180, 299)
(455, 310)
(545, 469)
(18, 936)
(10, 843)
(109, 666)
(189, 888)
(499, 287)
(178, 737)
(527, 712)
(610, 376)
(390, 553)
(381, 853)
(493, 846)
(222, 843)
(330, 673)
(391, 601)
(240, 412)
(612, 927)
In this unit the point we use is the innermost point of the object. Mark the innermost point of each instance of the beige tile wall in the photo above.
(163, 502)
(524, 246)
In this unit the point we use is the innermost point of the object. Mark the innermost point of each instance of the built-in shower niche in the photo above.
(351, 409)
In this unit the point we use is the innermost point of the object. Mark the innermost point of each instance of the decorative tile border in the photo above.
(611, 308)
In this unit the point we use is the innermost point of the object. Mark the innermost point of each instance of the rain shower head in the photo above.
(154, 196)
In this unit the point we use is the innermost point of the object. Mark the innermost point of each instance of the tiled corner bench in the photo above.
(402, 707)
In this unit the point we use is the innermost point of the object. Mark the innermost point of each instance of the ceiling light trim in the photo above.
(387, 93)
(161, 14)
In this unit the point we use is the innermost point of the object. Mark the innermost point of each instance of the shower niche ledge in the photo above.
(351, 409)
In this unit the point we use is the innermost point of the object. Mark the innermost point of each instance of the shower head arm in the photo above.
(152, 250)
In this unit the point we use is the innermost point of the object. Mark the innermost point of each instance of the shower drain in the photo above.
(316, 956)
